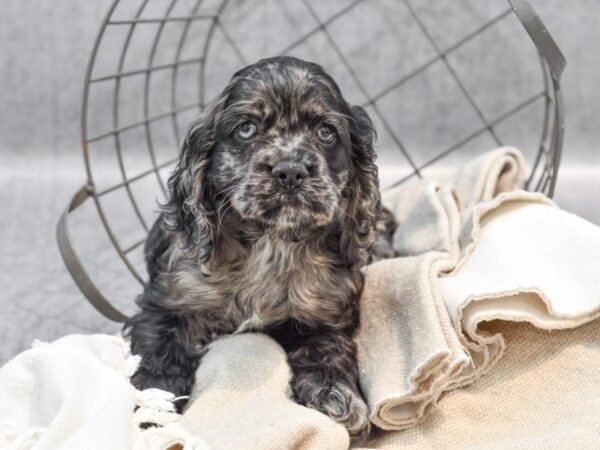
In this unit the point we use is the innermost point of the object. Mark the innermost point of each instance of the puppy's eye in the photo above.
(245, 131)
(326, 134)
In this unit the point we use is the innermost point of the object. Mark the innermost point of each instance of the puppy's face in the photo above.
(282, 151)
(281, 148)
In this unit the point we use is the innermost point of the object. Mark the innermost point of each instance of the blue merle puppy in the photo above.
(274, 209)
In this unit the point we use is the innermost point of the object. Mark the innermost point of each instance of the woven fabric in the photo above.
(241, 401)
(542, 394)
(473, 254)
(70, 394)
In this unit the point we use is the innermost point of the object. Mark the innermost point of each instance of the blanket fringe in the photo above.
(132, 362)
(24, 441)
(155, 406)
(172, 436)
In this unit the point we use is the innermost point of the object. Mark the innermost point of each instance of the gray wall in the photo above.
(44, 49)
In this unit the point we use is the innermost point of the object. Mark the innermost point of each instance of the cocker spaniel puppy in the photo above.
(273, 210)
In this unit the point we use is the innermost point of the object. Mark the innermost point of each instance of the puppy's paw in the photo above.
(347, 407)
(178, 386)
(342, 404)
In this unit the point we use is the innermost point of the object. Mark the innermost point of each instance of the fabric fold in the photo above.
(428, 354)
(241, 401)
(474, 254)
(73, 393)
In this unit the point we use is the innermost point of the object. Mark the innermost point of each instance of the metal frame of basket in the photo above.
(543, 174)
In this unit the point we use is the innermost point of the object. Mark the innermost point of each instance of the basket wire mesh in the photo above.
(174, 24)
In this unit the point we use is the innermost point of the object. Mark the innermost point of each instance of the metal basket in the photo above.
(162, 56)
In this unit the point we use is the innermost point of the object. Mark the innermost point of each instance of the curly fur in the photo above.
(233, 251)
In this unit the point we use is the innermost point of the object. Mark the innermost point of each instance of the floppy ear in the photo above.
(190, 210)
(364, 199)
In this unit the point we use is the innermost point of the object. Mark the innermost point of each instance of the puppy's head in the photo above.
(283, 150)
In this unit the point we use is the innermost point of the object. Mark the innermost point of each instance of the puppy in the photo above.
(274, 207)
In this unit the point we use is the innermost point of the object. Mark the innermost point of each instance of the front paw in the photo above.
(177, 384)
(338, 401)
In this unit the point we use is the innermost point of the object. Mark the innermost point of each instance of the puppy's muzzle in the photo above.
(290, 175)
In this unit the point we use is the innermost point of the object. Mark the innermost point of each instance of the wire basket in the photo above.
(156, 64)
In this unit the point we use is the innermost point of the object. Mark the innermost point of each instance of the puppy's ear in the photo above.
(362, 191)
(190, 210)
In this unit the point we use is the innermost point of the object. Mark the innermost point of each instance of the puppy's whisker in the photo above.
(226, 202)
(227, 190)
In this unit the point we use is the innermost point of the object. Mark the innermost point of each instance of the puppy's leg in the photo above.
(325, 377)
(168, 345)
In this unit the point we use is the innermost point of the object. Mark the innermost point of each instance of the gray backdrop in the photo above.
(44, 48)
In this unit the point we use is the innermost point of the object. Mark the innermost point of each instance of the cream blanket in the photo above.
(478, 254)
(478, 262)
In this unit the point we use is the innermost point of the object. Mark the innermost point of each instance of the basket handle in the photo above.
(74, 265)
(555, 64)
(540, 36)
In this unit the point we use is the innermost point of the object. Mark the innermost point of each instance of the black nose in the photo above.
(289, 174)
